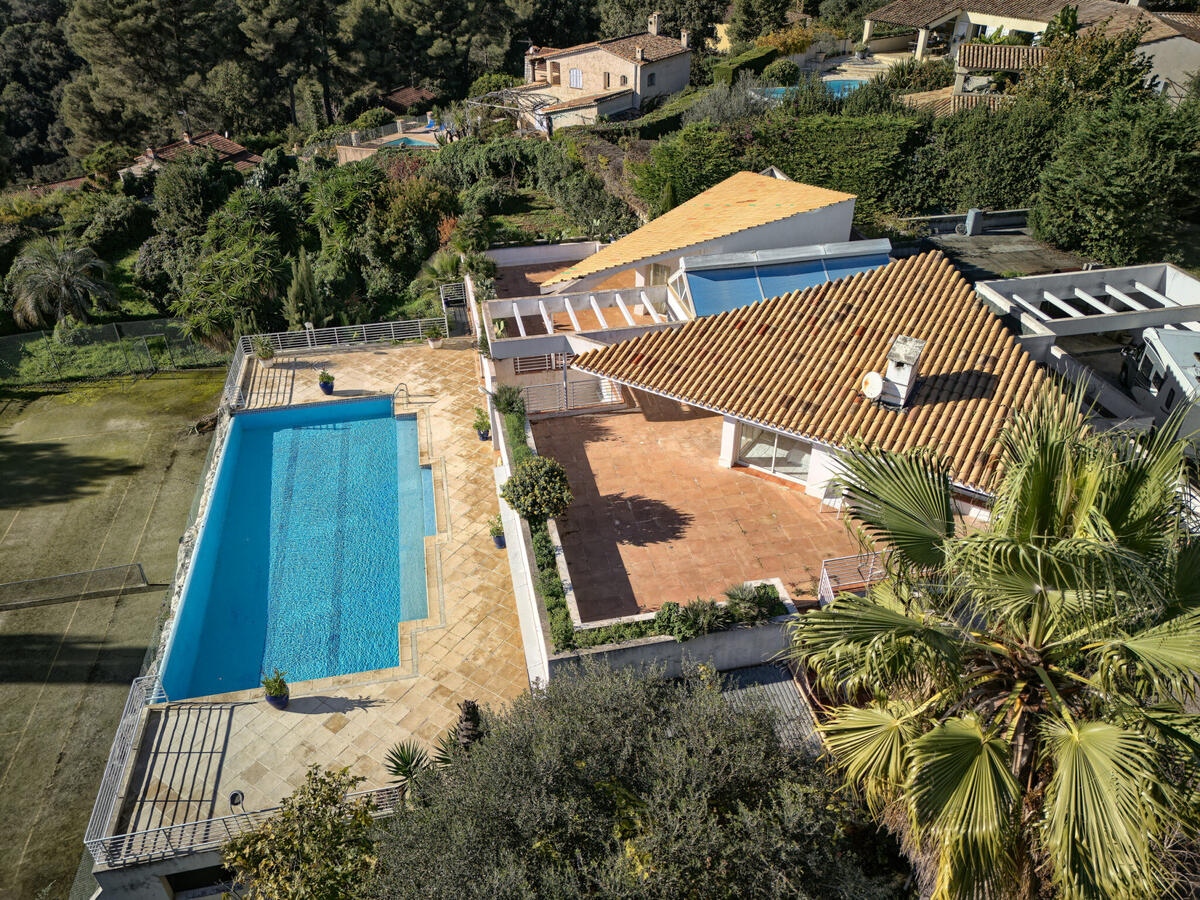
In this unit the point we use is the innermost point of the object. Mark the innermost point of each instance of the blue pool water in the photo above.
(839, 87)
(408, 142)
(312, 551)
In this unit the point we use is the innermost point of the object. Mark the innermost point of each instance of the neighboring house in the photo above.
(745, 212)
(794, 377)
(403, 101)
(577, 85)
(227, 151)
(1172, 40)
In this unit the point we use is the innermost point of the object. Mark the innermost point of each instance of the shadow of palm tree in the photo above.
(316, 705)
(639, 520)
(43, 472)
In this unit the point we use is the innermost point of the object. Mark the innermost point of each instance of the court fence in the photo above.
(101, 351)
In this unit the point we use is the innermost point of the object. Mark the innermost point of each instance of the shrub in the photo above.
(508, 399)
(686, 163)
(753, 60)
(781, 71)
(538, 489)
(610, 783)
(492, 81)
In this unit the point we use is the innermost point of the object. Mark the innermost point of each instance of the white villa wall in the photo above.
(1175, 60)
(508, 257)
(671, 75)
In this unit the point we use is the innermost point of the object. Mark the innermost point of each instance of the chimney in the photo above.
(654, 23)
(150, 154)
(685, 39)
(901, 375)
(639, 53)
(187, 137)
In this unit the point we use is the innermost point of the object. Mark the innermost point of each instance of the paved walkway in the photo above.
(194, 754)
(656, 519)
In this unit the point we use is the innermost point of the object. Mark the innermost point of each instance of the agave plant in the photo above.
(1018, 690)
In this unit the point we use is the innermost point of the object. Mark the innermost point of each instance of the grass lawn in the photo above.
(93, 475)
(527, 215)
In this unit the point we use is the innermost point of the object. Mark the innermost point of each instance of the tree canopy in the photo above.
(608, 783)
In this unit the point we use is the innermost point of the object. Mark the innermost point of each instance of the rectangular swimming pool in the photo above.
(311, 552)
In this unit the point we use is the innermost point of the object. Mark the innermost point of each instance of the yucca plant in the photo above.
(1017, 691)
(404, 762)
(50, 280)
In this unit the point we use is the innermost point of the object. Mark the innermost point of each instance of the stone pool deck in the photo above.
(193, 754)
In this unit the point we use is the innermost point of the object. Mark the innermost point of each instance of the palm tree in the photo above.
(1018, 690)
(49, 281)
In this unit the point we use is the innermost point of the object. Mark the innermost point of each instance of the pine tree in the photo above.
(302, 304)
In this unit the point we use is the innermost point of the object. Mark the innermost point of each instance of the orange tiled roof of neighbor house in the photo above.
(741, 201)
(227, 151)
(796, 363)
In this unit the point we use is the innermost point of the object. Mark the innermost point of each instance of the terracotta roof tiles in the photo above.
(227, 151)
(795, 363)
(654, 46)
(743, 200)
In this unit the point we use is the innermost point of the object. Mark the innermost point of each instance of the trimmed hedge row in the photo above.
(754, 60)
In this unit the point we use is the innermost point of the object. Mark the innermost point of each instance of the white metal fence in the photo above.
(145, 690)
(560, 397)
(849, 573)
(549, 362)
(312, 338)
(114, 849)
(345, 139)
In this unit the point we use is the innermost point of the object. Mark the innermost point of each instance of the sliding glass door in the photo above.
(774, 453)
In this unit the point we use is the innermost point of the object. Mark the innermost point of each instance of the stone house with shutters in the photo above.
(577, 85)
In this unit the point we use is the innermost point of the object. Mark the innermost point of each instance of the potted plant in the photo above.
(325, 380)
(496, 529)
(276, 689)
(860, 50)
(483, 425)
(433, 335)
(265, 351)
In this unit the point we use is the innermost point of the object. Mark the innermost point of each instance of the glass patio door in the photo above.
(774, 453)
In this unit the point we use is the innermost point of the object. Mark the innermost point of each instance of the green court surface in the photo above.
(91, 475)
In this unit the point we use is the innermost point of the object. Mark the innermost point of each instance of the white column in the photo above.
(922, 43)
(868, 28)
(731, 436)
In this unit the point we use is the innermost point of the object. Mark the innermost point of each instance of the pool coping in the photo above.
(407, 630)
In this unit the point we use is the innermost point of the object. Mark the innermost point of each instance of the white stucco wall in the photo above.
(671, 75)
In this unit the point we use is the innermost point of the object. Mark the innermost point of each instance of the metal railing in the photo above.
(849, 573)
(312, 338)
(208, 834)
(143, 692)
(549, 362)
(345, 139)
(560, 397)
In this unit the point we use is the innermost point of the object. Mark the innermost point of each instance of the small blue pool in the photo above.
(839, 87)
(411, 143)
(311, 553)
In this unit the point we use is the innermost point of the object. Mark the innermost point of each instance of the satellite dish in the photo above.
(872, 385)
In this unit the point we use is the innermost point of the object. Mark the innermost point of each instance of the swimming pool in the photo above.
(404, 141)
(839, 87)
(311, 553)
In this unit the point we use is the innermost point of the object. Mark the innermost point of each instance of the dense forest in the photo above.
(77, 75)
(1109, 167)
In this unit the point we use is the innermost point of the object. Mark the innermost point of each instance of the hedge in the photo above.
(655, 124)
(753, 60)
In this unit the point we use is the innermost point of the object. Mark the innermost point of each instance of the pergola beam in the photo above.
(1065, 307)
(571, 313)
(1030, 308)
(1125, 298)
(546, 317)
(597, 311)
(1093, 302)
(624, 310)
(654, 315)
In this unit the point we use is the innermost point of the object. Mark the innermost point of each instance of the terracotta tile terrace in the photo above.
(656, 519)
